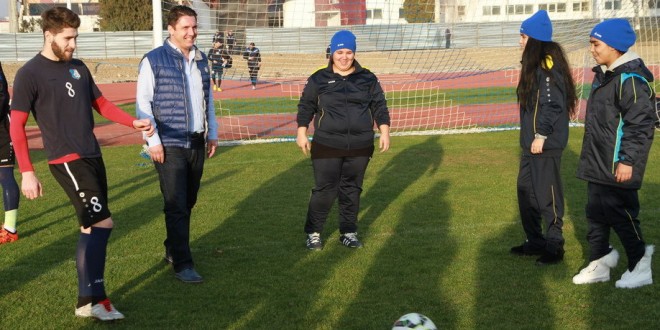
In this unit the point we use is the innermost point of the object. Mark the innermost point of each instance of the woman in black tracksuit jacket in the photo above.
(547, 98)
(345, 100)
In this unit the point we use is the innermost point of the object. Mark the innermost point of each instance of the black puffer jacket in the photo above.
(344, 108)
(619, 124)
(546, 113)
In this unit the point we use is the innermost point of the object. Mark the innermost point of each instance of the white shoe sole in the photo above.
(633, 285)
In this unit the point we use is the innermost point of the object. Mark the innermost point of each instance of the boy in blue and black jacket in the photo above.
(619, 128)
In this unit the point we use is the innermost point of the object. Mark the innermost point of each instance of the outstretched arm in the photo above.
(108, 110)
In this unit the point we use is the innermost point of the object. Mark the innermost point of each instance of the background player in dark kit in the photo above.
(253, 57)
(220, 60)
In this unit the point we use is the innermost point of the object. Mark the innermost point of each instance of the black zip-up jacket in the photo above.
(619, 124)
(344, 109)
(546, 113)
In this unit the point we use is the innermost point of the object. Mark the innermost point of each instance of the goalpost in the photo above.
(446, 65)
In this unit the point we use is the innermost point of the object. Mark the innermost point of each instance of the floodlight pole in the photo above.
(13, 17)
(157, 26)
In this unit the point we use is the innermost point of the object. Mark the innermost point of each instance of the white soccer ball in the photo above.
(414, 321)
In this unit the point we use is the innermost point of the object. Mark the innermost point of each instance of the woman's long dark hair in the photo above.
(534, 57)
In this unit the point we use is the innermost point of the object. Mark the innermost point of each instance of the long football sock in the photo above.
(96, 252)
(84, 287)
(10, 197)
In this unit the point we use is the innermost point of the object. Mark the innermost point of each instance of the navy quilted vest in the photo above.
(170, 103)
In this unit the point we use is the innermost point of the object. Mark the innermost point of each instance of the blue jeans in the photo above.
(179, 177)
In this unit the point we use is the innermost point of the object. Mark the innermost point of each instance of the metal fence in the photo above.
(132, 44)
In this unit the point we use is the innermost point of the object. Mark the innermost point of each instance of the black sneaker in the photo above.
(525, 250)
(314, 241)
(350, 240)
(548, 258)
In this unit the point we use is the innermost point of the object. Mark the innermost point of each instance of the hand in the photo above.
(145, 126)
(211, 145)
(30, 186)
(384, 142)
(157, 153)
(623, 172)
(303, 142)
(537, 146)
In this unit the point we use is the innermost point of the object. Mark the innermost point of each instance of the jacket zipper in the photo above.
(318, 101)
(348, 115)
(536, 108)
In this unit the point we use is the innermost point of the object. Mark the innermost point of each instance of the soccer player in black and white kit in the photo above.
(60, 92)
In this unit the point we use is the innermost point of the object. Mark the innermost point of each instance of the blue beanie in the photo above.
(616, 33)
(343, 39)
(538, 26)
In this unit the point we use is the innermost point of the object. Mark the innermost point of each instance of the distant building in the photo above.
(318, 13)
(88, 10)
(4, 25)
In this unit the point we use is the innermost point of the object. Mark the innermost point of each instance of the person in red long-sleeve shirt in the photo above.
(60, 92)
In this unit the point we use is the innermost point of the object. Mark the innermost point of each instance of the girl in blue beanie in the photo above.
(346, 101)
(619, 128)
(547, 99)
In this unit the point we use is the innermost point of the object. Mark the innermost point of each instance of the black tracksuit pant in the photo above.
(541, 200)
(616, 208)
(336, 178)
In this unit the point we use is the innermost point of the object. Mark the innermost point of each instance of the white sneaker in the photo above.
(640, 275)
(84, 311)
(597, 270)
(104, 311)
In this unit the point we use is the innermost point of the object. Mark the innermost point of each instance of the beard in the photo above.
(60, 53)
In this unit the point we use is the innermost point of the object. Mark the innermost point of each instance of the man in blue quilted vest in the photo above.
(174, 92)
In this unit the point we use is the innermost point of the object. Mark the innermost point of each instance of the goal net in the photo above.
(446, 65)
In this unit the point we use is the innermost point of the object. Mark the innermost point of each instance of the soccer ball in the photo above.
(414, 321)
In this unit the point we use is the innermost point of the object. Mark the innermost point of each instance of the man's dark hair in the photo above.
(57, 19)
(176, 12)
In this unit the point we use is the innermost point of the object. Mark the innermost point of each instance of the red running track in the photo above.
(273, 125)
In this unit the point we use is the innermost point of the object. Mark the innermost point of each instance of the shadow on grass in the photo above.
(261, 233)
(283, 277)
(513, 285)
(411, 251)
(62, 249)
(604, 305)
(156, 285)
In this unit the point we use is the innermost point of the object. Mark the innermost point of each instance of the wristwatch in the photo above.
(539, 136)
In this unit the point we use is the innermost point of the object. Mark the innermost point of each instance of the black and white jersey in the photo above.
(60, 96)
